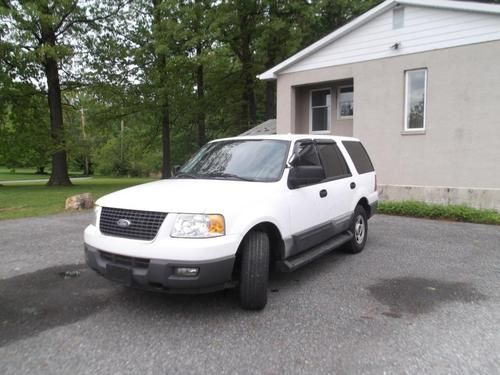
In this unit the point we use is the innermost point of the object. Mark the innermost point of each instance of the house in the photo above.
(419, 83)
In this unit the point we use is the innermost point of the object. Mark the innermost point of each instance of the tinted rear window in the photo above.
(333, 161)
(359, 156)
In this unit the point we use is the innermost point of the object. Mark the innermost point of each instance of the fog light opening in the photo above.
(187, 271)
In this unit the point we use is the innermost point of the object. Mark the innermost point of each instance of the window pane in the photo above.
(306, 155)
(259, 160)
(359, 156)
(319, 119)
(333, 161)
(346, 107)
(319, 98)
(415, 102)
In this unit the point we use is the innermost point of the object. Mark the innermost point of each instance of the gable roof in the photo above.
(371, 14)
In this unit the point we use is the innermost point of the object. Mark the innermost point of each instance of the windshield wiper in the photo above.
(185, 175)
(229, 175)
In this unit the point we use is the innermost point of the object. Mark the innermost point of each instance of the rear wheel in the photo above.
(254, 271)
(359, 229)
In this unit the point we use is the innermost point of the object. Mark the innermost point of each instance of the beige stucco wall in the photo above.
(302, 109)
(461, 144)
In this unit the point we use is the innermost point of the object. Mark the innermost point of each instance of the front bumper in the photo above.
(158, 274)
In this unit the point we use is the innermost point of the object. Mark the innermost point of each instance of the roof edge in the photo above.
(455, 5)
(348, 27)
(271, 74)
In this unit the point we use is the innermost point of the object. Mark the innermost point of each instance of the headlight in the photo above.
(198, 226)
(97, 212)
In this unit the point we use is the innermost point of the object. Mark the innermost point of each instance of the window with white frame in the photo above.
(345, 102)
(320, 110)
(415, 99)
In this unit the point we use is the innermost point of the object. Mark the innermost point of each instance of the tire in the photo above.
(254, 271)
(359, 229)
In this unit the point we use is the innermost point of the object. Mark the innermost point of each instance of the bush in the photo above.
(437, 211)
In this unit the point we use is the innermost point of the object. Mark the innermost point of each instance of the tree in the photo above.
(238, 22)
(43, 39)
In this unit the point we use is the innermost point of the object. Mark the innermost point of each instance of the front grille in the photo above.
(144, 225)
(124, 260)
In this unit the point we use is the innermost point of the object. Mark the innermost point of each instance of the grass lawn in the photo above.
(36, 199)
(26, 174)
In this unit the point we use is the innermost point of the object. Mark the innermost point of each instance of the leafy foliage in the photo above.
(175, 73)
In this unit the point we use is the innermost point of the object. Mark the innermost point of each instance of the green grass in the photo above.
(437, 211)
(26, 174)
(37, 199)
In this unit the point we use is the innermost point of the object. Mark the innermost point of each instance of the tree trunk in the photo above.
(165, 132)
(248, 107)
(59, 175)
(270, 100)
(201, 95)
(161, 65)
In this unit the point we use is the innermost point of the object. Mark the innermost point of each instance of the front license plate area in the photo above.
(119, 273)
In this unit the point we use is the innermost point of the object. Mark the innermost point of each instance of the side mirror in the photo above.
(175, 169)
(305, 175)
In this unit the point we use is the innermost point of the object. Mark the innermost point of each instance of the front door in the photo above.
(310, 215)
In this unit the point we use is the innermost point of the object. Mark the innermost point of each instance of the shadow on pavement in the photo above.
(415, 295)
(51, 297)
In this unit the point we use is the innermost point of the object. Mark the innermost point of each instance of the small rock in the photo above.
(70, 274)
(79, 201)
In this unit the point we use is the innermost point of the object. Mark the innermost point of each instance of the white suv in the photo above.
(240, 207)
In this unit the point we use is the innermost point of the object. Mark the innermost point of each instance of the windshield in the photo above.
(251, 160)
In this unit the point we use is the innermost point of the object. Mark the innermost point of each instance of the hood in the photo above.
(188, 195)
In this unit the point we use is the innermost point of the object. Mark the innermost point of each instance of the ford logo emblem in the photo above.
(123, 223)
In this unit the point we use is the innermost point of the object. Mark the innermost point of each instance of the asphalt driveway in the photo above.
(424, 297)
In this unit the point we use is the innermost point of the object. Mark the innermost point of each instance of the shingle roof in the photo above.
(266, 128)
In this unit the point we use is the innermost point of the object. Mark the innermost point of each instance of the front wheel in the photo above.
(254, 271)
(359, 229)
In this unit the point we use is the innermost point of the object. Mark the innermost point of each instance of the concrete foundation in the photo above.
(472, 197)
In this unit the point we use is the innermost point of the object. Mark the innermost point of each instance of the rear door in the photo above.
(339, 184)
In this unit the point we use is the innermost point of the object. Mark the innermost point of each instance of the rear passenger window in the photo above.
(359, 156)
(333, 161)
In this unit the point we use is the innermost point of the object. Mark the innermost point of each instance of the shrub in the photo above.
(437, 211)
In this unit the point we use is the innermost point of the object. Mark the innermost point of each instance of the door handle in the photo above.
(353, 185)
(323, 193)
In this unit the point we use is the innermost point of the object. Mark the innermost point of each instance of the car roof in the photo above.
(290, 137)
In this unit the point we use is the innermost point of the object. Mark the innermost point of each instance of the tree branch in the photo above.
(85, 20)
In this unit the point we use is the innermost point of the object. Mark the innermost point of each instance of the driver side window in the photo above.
(306, 155)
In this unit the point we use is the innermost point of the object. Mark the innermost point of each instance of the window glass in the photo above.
(346, 105)
(333, 162)
(320, 110)
(359, 156)
(306, 155)
(256, 160)
(415, 99)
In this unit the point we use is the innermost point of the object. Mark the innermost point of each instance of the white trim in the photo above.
(339, 116)
(369, 15)
(406, 129)
(329, 112)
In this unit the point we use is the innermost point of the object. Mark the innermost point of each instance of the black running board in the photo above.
(297, 261)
